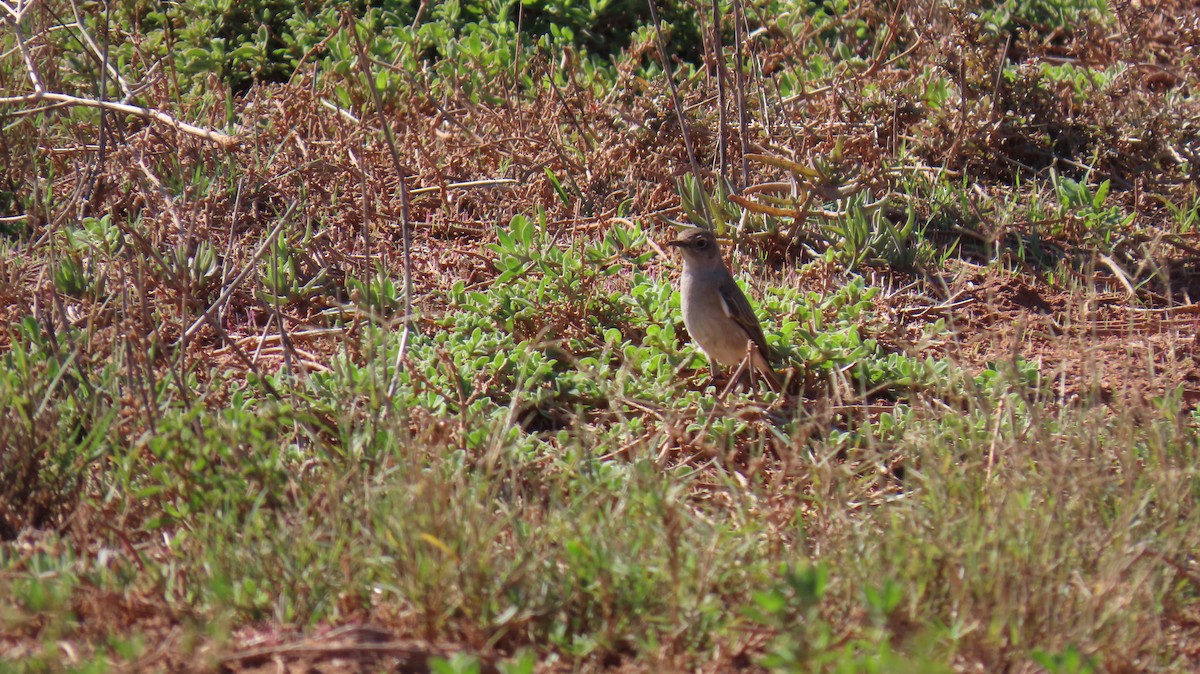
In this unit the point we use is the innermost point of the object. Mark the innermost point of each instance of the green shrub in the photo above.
(252, 41)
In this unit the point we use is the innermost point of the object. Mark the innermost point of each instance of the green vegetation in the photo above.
(338, 336)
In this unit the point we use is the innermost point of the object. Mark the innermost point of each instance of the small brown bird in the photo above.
(715, 310)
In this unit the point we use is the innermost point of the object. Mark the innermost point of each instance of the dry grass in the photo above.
(264, 492)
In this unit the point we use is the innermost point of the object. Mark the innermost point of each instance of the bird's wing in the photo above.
(737, 307)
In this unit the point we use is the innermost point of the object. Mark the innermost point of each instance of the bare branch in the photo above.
(16, 13)
(224, 140)
(90, 43)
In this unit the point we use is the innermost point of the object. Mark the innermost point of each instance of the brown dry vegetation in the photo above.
(1109, 320)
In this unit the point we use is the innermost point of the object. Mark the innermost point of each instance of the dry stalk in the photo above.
(217, 306)
(226, 141)
(15, 13)
(668, 73)
(401, 188)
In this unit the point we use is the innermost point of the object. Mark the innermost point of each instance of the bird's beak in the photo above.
(674, 242)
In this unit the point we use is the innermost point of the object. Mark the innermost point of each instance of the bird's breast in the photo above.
(708, 321)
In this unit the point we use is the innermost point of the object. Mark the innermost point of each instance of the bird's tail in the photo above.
(768, 373)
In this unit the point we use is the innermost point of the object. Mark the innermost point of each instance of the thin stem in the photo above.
(225, 141)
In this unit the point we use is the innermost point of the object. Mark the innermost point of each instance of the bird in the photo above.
(715, 310)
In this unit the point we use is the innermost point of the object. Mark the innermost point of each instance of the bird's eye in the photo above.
(701, 243)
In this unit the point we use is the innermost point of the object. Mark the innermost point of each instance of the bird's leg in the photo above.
(748, 363)
(734, 379)
(743, 373)
(714, 371)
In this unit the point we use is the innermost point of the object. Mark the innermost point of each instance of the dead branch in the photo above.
(224, 140)
(15, 13)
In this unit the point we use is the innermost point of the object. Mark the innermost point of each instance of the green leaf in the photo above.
(558, 188)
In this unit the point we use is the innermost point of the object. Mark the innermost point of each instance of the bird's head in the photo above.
(698, 245)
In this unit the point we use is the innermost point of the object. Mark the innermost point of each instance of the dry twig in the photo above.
(15, 11)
